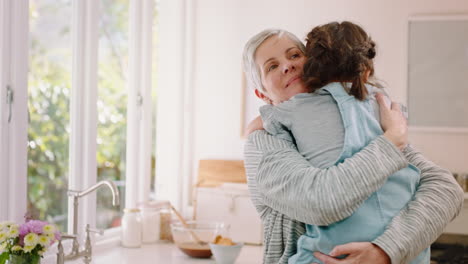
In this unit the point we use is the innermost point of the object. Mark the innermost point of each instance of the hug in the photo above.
(329, 166)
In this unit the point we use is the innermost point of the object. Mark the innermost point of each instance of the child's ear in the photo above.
(262, 97)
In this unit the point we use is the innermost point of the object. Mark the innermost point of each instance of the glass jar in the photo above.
(23, 259)
(131, 228)
(166, 219)
(160, 209)
(151, 224)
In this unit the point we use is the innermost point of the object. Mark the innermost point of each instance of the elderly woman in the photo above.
(287, 191)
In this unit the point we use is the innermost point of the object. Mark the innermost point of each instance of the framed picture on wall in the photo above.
(438, 73)
(249, 106)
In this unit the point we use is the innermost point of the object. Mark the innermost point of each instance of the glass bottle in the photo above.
(131, 228)
(151, 224)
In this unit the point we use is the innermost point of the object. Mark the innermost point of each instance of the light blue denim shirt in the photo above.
(328, 127)
(314, 123)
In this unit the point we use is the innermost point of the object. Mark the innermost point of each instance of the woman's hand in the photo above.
(256, 124)
(358, 253)
(393, 123)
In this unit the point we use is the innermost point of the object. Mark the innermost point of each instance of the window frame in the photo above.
(14, 35)
(14, 45)
(84, 109)
(174, 91)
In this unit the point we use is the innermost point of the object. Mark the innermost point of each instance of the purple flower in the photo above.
(36, 226)
(57, 235)
(24, 229)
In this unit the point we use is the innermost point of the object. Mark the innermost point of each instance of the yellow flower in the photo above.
(16, 248)
(3, 236)
(5, 225)
(49, 229)
(30, 240)
(28, 249)
(13, 232)
(41, 252)
(44, 240)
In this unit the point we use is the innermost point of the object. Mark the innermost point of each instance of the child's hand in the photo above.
(256, 124)
(393, 123)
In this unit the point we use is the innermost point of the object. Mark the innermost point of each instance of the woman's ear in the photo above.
(263, 97)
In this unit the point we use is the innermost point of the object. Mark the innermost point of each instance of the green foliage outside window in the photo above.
(49, 107)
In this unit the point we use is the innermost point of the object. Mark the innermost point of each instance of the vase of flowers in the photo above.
(26, 243)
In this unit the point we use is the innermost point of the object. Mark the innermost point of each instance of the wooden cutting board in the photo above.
(212, 173)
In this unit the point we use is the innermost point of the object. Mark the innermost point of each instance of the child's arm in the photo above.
(270, 121)
(256, 124)
(389, 115)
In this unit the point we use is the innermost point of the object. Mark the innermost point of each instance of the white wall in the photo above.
(223, 26)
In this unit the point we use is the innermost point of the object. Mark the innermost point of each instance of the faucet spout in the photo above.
(112, 187)
(73, 223)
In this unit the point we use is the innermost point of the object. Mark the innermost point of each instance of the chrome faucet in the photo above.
(86, 253)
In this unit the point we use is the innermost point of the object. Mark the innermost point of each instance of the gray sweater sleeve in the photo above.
(438, 201)
(289, 184)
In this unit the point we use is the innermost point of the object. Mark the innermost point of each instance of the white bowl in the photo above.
(226, 254)
(205, 231)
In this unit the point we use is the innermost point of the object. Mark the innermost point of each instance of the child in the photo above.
(334, 121)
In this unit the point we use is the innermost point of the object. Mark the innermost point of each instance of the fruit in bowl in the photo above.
(193, 238)
(224, 250)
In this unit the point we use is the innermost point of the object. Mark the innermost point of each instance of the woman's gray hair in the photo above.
(252, 72)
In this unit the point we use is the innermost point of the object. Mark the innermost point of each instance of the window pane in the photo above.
(154, 77)
(48, 101)
(112, 106)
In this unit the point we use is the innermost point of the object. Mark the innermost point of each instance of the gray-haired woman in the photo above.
(276, 172)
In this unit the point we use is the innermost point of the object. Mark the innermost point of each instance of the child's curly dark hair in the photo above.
(339, 52)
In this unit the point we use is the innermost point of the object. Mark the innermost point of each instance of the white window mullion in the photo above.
(133, 115)
(139, 109)
(19, 130)
(146, 107)
(170, 127)
(13, 136)
(5, 11)
(188, 137)
(83, 112)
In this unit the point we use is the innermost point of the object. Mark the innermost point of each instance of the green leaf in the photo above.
(35, 258)
(3, 257)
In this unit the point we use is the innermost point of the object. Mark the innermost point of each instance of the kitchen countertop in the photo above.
(166, 253)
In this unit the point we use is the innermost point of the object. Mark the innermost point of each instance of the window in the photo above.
(81, 75)
(112, 106)
(89, 75)
(49, 89)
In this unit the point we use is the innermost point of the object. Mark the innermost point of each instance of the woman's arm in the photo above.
(281, 179)
(437, 201)
(284, 181)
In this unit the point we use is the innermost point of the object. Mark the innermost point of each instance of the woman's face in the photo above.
(280, 63)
